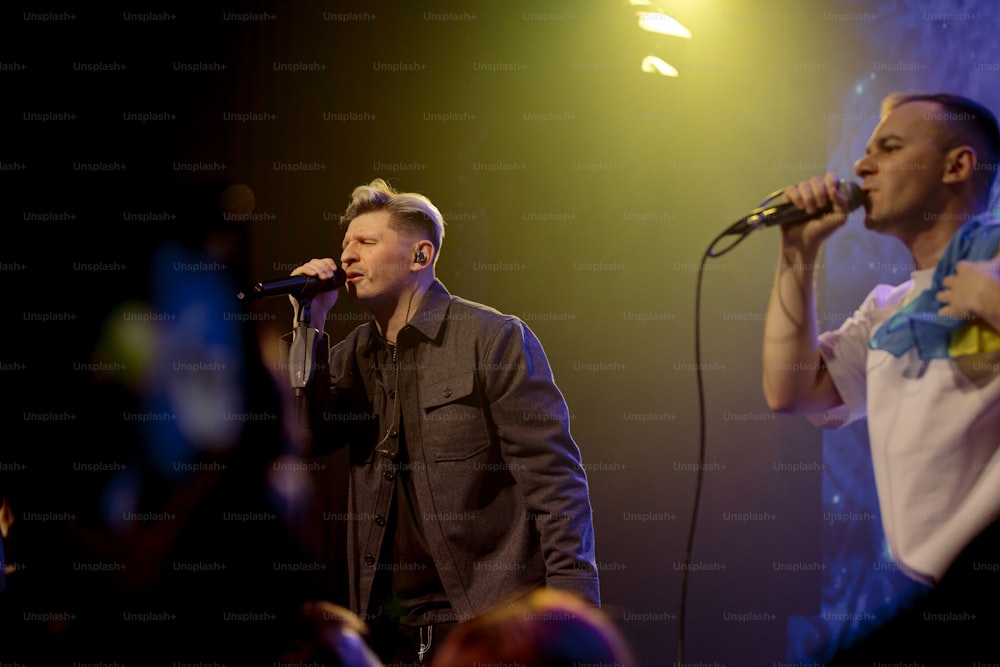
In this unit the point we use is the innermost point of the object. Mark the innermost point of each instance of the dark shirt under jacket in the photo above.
(407, 588)
(496, 476)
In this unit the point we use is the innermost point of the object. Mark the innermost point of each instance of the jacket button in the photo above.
(447, 393)
(369, 559)
(389, 475)
(393, 433)
(379, 521)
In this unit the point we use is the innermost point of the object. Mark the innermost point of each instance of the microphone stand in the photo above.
(302, 358)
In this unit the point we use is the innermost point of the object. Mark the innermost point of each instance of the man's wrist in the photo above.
(988, 303)
(797, 258)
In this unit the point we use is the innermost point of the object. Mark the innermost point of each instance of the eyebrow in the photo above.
(361, 236)
(882, 141)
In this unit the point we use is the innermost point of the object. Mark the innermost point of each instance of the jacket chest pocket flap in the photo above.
(454, 427)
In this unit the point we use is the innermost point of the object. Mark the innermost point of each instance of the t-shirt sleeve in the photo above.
(845, 354)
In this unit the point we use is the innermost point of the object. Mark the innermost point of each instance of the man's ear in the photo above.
(423, 254)
(960, 164)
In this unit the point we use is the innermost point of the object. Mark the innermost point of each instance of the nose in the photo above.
(865, 166)
(348, 256)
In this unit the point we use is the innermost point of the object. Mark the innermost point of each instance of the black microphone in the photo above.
(301, 287)
(786, 213)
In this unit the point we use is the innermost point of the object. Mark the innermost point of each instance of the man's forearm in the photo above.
(791, 363)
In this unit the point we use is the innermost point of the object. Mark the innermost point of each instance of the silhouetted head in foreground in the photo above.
(546, 628)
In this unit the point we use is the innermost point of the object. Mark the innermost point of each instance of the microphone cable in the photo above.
(700, 472)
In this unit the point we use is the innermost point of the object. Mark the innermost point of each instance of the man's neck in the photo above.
(929, 244)
(393, 319)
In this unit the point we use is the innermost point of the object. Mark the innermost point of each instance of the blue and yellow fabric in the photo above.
(918, 325)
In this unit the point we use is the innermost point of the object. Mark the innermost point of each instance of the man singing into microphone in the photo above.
(920, 360)
(466, 487)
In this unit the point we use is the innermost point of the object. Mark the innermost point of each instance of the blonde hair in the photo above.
(409, 211)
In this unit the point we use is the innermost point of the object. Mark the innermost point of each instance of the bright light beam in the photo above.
(655, 65)
(662, 24)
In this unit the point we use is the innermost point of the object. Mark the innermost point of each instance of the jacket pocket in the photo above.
(454, 428)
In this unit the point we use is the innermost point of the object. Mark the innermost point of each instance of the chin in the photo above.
(874, 223)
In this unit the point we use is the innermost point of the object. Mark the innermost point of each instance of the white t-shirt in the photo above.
(934, 429)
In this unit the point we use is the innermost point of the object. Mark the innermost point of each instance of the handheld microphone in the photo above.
(301, 287)
(787, 213)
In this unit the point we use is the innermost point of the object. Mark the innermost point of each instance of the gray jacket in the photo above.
(499, 481)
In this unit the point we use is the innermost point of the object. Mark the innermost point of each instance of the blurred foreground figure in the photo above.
(546, 628)
(331, 636)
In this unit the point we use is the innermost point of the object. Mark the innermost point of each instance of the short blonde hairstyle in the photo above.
(409, 211)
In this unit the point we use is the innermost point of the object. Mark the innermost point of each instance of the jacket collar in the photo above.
(432, 311)
(428, 319)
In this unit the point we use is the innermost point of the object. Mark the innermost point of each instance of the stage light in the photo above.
(662, 24)
(652, 19)
(655, 65)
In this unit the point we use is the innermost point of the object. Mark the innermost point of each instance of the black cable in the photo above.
(682, 617)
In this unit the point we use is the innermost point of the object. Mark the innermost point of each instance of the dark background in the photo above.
(580, 194)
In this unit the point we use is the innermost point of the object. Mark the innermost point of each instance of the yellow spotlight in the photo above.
(655, 65)
(659, 22)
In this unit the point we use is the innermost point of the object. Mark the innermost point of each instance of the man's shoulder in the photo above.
(442, 305)
(474, 310)
(885, 295)
(445, 316)
(888, 297)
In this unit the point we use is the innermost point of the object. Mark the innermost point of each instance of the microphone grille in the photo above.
(853, 192)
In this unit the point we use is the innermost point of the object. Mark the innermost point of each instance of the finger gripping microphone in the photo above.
(786, 213)
(301, 287)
